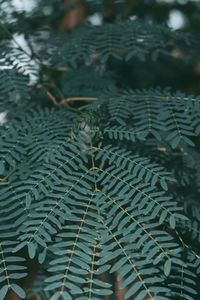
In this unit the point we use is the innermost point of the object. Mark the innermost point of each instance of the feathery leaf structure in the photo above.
(121, 40)
(12, 267)
(16, 70)
(87, 192)
(104, 208)
(137, 114)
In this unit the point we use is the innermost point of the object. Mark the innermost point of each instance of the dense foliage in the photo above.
(99, 156)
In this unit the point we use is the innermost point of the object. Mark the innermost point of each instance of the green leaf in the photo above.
(42, 256)
(118, 264)
(172, 222)
(133, 289)
(18, 290)
(163, 216)
(2, 167)
(182, 217)
(167, 267)
(164, 184)
(66, 296)
(55, 296)
(2, 278)
(103, 292)
(3, 292)
(28, 200)
(31, 249)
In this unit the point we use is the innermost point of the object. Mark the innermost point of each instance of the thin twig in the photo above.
(73, 99)
(64, 101)
(53, 99)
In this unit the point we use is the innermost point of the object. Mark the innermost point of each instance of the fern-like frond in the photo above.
(121, 40)
(11, 266)
(183, 281)
(79, 82)
(29, 139)
(77, 267)
(26, 154)
(138, 166)
(98, 203)
(138, 114)
(191, 227)
(14, 85)
(104, 186)
(140, 279)
(16, 71)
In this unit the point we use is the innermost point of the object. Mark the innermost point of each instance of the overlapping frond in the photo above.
(18, 68)
(76, 268)
(138, 114)
(131, 267)
(12, 267)
(16, 71)
(79, 83)
(27, 152)
(87, 193)
(191, 226)
(97, 204)
(14, 85)
(183, 281)
(122, 40)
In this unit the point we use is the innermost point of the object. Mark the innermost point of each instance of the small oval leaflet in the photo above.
(2, 167)
(167, 267)
(3, 292)
(18, 290)
(172, 222)
(31, 249)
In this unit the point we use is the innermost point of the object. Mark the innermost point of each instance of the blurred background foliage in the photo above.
(33, 20)
(175, 71)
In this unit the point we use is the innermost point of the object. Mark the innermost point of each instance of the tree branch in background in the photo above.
(74, 16)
